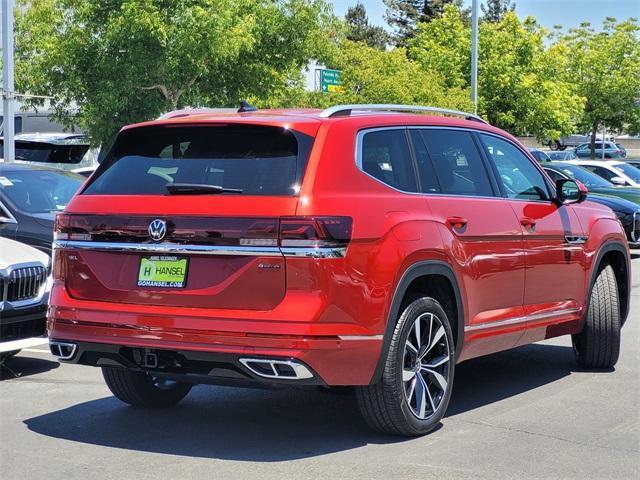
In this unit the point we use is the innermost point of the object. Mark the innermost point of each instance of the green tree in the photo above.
(116, 62)
(373, 76)
(405, 15)
(521, 84)
(605, 67)
(496, 10)
(360, 30)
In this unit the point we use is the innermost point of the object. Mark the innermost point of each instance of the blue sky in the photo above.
(568, 13)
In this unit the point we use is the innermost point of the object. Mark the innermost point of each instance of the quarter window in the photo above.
(518, 175)
(451, 158)
(386, 156)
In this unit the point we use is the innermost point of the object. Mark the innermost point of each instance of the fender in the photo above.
(418, 269)
(607, 247)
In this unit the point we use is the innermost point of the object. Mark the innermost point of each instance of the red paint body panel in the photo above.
(517, 286)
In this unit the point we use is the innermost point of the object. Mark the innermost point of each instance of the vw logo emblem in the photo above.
(157, 229)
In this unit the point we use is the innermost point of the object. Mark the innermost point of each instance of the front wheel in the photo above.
(413, 394)
(143, 390)
(598, 345)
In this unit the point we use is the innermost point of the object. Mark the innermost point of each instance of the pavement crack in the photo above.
(545, 435)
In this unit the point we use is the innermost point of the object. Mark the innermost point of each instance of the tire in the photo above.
(142, 390)
(554, 145)
(403, 401)
(598, 345)
(562, 147)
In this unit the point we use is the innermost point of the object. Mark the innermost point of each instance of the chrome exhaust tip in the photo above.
(280, 369)
(62, 350)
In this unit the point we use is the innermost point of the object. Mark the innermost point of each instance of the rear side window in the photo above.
(386, 156)
(251, 160)
(457, 163)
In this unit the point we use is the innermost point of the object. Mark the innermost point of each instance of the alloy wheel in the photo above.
(426, 366)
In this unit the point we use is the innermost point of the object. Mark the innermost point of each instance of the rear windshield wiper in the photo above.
(198, 189)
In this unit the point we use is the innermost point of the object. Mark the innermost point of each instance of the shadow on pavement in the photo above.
(278, 425)
(21, 366)
(492, 378)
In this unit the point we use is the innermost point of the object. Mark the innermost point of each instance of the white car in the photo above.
(67, 151)
(618, 172)
(24, 292)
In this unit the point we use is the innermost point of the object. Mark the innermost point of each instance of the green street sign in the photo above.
(330, 81)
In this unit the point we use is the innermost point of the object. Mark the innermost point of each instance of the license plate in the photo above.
(163, 272)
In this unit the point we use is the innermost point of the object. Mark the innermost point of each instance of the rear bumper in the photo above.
(336, 353)
(331, 361)
(189, 366)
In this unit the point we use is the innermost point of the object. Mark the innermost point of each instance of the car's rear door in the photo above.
(553, 239)
(480, 231)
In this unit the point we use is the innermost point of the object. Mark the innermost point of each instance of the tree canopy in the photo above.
(521, 84)
(115, 62)
(604, 67)
(496, 9)
(122, 61)
(372, 76)
(405, 15)
(360, 30)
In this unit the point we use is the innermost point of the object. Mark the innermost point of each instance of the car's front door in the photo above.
(481, 233)
(552, 239)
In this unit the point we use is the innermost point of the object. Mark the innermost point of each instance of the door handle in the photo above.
(457, 223)
(528, 223)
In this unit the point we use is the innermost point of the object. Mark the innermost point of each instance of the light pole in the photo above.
(474, 55)
(7, 81)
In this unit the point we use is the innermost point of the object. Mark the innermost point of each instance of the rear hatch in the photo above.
(185, 216)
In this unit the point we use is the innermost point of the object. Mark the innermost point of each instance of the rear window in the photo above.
(252, 160)
(42, 152)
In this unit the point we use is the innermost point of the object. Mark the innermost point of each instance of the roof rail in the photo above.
(345, 110)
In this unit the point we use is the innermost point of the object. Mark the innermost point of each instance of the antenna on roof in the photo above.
(245, 107)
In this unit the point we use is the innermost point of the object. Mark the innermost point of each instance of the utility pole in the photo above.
(7, 81)
(474, 55)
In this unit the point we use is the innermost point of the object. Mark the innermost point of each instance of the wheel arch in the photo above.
(615, 254)
(414, 277)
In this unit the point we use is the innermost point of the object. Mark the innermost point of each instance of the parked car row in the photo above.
(575, 140)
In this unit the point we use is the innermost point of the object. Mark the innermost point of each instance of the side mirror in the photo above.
(570, 191)
(619, 181)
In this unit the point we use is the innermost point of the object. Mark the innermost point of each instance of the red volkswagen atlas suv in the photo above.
(374, 246)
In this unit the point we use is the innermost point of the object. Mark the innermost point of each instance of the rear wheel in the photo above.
(143, 390)
(598, 345)
(413, 394)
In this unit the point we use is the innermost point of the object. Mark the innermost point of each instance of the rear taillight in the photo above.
(315, 232)
(69, 227)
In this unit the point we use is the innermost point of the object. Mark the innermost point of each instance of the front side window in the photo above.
(519, 176)
(385, 156)
(452, 157)
(601, 171)
(589, 179)
(629, 170)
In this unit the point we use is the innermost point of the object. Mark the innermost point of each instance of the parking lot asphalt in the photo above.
(526, 413)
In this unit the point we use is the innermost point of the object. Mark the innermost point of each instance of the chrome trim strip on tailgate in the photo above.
(177, 249)
(169, 248)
